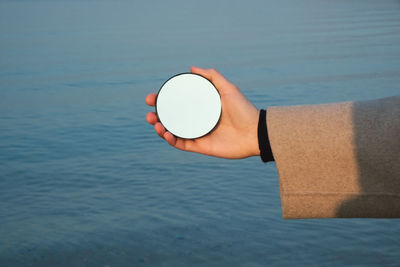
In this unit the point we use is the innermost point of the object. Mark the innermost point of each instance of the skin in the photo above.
(234, 137)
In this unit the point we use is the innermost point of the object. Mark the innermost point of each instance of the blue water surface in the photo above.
(85, 181)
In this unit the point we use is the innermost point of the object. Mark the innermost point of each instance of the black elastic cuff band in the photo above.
(263, 140)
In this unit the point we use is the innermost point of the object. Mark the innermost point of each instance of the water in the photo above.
(84, 180)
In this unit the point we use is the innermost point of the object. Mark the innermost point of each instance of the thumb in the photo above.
(212, 75)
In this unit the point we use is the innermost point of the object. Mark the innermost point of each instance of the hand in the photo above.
(234, 137)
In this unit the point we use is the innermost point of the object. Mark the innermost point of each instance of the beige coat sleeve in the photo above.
(338, 160)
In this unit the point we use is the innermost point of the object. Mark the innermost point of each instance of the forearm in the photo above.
(338, 160)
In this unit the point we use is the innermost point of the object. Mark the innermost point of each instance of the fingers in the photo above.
(151, 99)
(174, 141)
(162, 132)
(178, 143)
(170, 138)
(213, 75)
(151, 118)
(159, 129)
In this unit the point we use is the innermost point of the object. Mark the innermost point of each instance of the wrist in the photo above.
(263, 139)
(253, 145)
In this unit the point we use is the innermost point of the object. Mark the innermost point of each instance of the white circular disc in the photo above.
(188, 105)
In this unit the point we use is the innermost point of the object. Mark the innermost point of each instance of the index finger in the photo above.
(151, 99)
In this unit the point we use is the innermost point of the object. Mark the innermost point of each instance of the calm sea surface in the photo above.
(85, 181)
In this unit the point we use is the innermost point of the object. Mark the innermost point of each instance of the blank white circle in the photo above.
(188, 105)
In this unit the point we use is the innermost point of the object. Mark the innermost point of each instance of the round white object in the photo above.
(188, 105)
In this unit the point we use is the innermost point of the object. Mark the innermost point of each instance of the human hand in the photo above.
(234, 137)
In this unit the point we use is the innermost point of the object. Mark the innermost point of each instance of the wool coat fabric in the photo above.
(338, 160)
